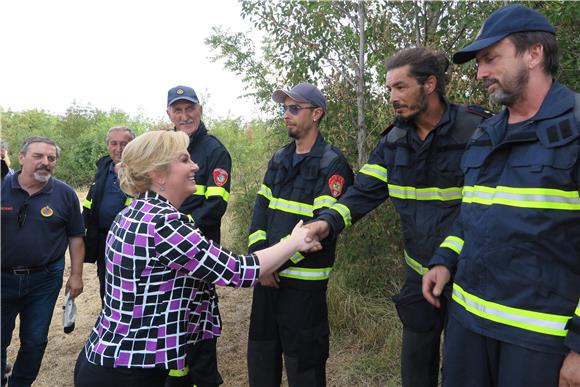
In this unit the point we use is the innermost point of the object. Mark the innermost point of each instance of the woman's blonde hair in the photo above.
(151, 151)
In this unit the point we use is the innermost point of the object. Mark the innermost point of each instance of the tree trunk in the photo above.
(360, 90)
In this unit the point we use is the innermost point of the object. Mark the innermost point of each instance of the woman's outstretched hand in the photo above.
(299, 234)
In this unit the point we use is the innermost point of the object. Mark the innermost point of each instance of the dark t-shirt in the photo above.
(35, 229)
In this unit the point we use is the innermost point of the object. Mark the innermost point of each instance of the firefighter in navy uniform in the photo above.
(515, 249)
(206, 206)
(289, 316)
(416, 164)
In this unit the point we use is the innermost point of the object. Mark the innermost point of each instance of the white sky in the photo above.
(121, 54)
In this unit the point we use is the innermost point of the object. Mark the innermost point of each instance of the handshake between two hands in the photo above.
(308, 236)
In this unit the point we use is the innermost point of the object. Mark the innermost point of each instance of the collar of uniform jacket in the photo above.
(14, 184)
(442, 126)
(201, 131)
(316, 151)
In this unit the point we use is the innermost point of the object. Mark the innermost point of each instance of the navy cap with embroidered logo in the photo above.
(503, 22)
(302, 92)
(181, 92)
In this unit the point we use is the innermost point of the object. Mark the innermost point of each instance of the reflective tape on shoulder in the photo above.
(376, 171)
(413, 264)
(544, 198)
(549, 324)
(454, 243)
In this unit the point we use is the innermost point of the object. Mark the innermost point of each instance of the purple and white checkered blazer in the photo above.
(157, 299)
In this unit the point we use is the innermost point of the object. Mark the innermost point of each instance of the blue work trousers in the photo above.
(32, 297)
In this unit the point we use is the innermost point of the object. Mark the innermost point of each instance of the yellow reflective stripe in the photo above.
(427, 193)
(578, 309)
(454, 243)
(297, 257)
(199, 190)
(323, 201)
(217, 191)
(265, 192)
(128, 201)
(546, 198)
(549, 324)
(376, 171)
(87, 204)
(420, 269)
(257, 236)
(292, 207)
(344, 212)
(179, 373)
(307, 274)
(190, 218)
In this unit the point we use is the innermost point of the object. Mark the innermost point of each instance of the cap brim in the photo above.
(279, 96)
(182, 99)
(468, 53)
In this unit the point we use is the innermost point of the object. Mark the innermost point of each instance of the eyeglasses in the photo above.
(294, 109)
(22, 212)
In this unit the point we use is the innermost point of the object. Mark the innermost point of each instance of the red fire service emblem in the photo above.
(336, 185)
(220, 177)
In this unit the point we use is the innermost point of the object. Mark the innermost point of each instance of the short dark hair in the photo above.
(423, 63)
(524, 40)
(33, 139)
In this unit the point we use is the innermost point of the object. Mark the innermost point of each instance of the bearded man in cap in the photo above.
(514, 253)
(206, 206)
(289, 317)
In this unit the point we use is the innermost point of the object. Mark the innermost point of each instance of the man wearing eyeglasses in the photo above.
(40, 218)
(289, 312)
(417, 165)
(207, 206)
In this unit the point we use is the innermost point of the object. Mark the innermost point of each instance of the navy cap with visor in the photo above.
(503, 22)
(302, 92)
(181, 92)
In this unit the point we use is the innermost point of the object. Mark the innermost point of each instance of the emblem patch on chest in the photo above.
(336, 185)
(220, 177)
(46, 211)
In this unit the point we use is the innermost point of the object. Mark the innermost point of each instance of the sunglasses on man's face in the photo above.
(294, 109)
(21, 216)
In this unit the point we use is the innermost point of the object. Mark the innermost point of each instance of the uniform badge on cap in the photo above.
(336, 185)
(180, 91)
(220, 177)
(46, 211)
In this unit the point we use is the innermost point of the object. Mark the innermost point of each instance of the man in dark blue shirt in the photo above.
(40, 218)
(104, 200)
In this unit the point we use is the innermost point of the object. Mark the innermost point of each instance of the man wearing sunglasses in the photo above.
(416, 164)
(289, 312)
(40, 218)
(206, 206)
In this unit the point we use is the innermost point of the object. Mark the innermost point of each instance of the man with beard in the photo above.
(514, 251)
(417, 165)
(40, 218)
(289, 312)
(206, 206)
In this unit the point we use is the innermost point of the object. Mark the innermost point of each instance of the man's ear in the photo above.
(430, 84)
(536, 56)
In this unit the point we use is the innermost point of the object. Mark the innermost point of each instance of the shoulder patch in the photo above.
(220, 177)
(336, 185)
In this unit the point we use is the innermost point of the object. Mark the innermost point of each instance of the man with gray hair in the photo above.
(40, 218)
(104, 200)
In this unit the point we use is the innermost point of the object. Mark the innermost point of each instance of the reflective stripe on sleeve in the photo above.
(413, 264)
(199, 190)
(549, 324)
(344, 212)
(128, 201)
(324, 201)
(179, 373)
(297, 257)
(578, 309)
(454, 243)
(545, 198)
(376, 171)
(87, 204)
(257, 236)
(307, 274)
(217, 191)
(427, 193)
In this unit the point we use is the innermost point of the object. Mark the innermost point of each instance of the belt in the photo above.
(20, 270)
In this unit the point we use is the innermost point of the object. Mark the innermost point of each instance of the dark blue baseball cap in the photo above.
(302, 92)
(181, 92)
(501, 23)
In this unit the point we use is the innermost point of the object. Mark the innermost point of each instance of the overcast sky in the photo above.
(121, 54)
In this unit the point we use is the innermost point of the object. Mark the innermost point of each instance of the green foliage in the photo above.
(80, 134)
